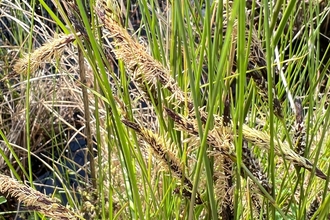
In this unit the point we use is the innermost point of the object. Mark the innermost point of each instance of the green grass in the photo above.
(128, 178)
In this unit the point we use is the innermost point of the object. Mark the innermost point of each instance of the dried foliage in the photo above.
(58, 108)
(34, 200)
(55, 116)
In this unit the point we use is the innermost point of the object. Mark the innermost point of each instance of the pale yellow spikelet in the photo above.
(47, 52)
(256, 200)
(262, 140)
(164, 154)
(34, 200)
(158, 145)
(218, 138)
(142, 66)
(221, 139)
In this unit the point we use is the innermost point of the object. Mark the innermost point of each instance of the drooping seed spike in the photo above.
(164, 154)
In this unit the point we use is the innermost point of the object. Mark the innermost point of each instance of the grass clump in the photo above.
(191, 109)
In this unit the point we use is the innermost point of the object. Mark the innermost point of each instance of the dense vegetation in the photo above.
(164, 110)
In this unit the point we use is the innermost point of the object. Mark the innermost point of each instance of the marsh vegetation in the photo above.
(164, 110)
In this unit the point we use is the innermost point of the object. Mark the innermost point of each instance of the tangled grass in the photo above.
(168, 146)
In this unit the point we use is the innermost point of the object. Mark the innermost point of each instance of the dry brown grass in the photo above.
(34, 200)
(55, 113)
